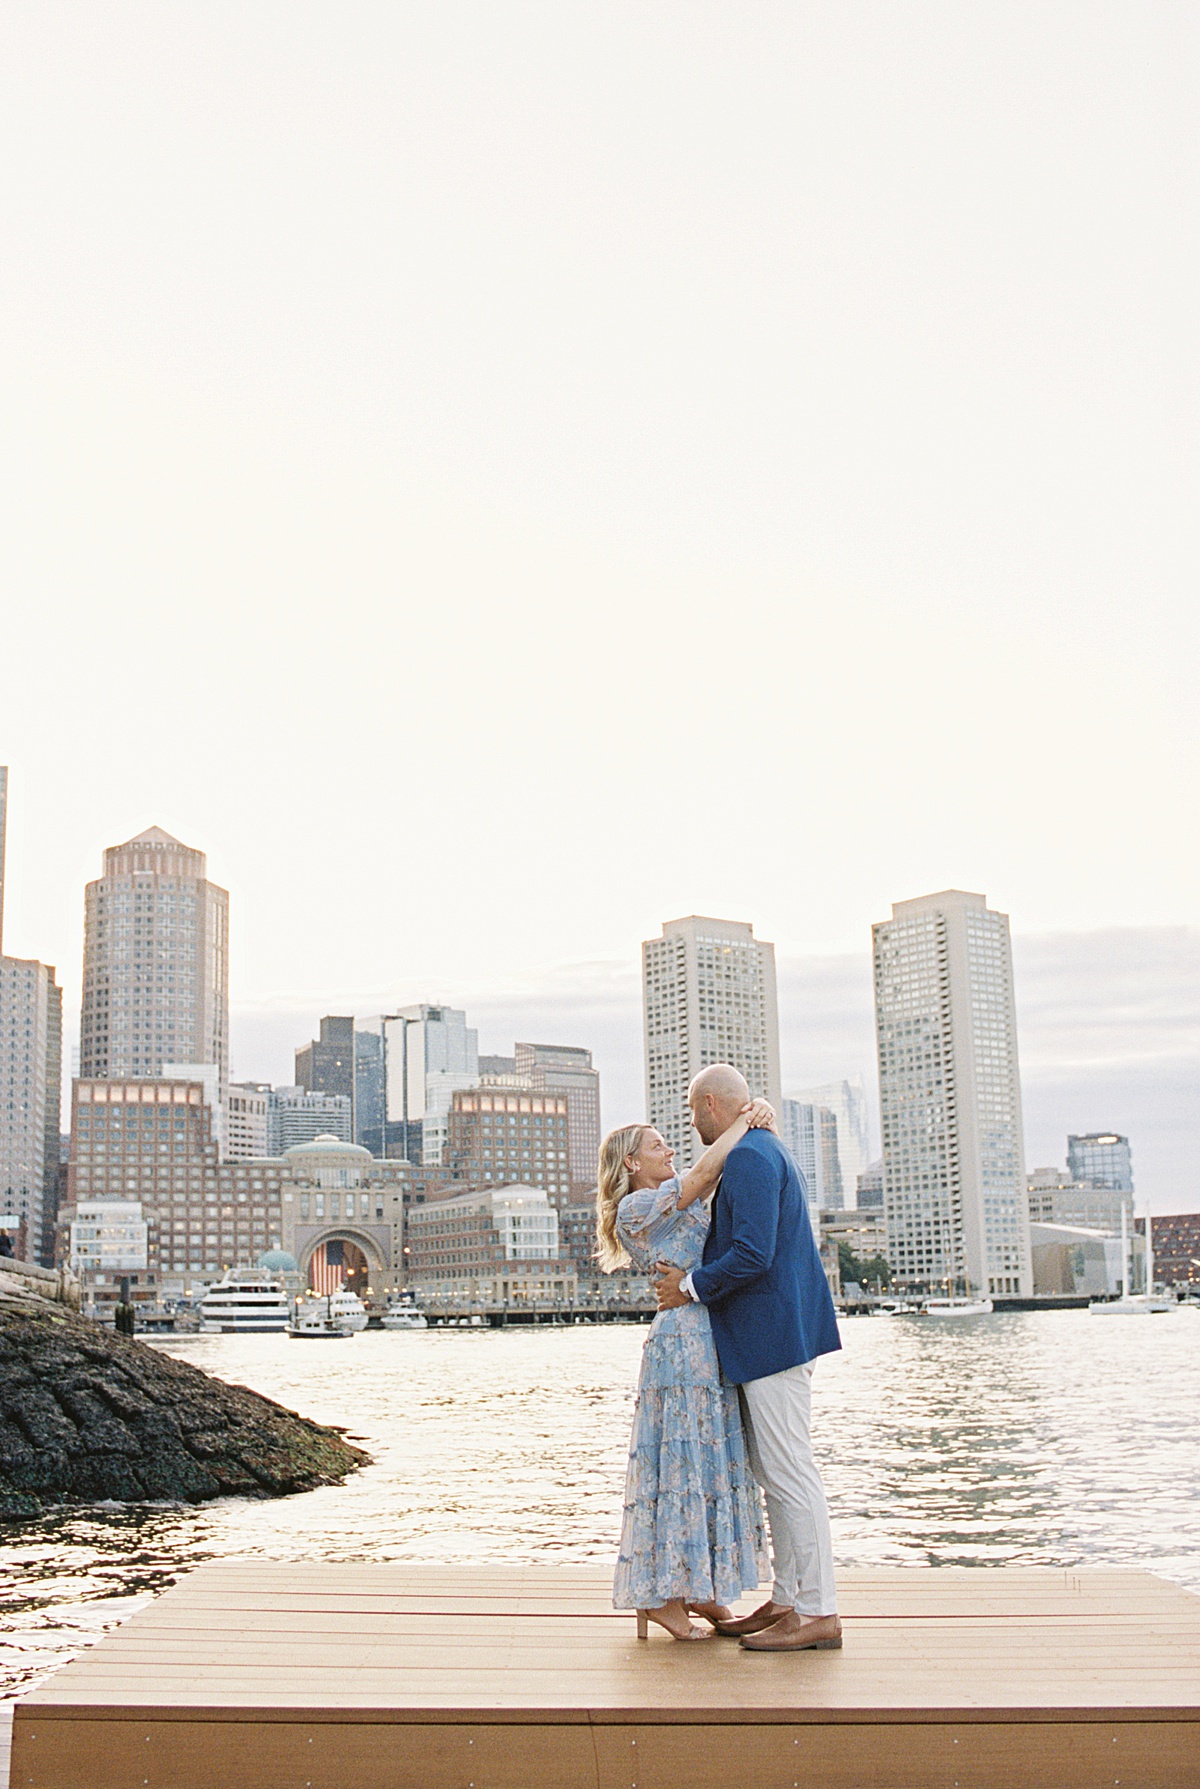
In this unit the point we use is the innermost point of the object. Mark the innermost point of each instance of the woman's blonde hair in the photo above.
(613, 1182)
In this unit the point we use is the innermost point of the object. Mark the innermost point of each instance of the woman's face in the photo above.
(654, 1161)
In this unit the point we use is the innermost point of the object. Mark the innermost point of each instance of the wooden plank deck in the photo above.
(250, 1675)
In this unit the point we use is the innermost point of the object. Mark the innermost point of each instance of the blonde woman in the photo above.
(692, 1535)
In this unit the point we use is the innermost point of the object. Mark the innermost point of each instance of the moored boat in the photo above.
(1138, 1304)
(247, 1301)
(1133, 1304)
(348, 1309)
(404, 1313)
(957, 1307)
(314, 1321)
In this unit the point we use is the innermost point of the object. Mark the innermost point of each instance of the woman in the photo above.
(692, 1535)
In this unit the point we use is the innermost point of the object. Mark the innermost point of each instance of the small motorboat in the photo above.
(313, 1321)
(957, 1307)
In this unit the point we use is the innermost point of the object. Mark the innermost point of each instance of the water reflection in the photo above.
(1024, 1439)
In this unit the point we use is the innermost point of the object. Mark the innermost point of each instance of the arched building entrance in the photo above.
(339, 1256)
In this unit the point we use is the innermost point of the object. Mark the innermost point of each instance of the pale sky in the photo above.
(499, 477)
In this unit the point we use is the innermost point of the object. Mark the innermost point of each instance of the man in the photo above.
(772, 1315)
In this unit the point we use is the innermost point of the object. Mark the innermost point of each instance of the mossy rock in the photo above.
(89, 1416)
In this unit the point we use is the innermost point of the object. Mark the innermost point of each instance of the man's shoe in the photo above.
(764, 1617)
(797, 1633)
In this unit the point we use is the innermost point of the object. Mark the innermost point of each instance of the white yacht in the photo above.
(957, 1307)
(247, 1301)
(348, 1309)
(404, 1313)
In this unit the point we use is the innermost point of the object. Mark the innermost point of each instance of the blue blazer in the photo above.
(761, 1278)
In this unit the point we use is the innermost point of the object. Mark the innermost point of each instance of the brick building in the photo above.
(505, 1135)
(493, 1247)
(1176, 1240)
(152, 1140)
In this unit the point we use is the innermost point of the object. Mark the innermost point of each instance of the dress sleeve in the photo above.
(661, 1218)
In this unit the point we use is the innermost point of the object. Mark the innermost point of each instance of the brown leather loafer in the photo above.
(764, 1617)
(798, 1633)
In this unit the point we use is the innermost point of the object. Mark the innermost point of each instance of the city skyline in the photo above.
(1099, 1016)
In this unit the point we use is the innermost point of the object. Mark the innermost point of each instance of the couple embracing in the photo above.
(725, 1388)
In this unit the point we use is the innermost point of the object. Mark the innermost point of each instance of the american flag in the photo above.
(327, 1268)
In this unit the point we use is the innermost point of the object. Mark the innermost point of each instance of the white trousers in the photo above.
(777, 1412)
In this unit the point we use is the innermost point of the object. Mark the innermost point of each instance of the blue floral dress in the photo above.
(693, 1523)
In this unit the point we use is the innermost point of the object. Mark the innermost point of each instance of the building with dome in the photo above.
(342, 1216)
(153, 1140)
(282, 1266)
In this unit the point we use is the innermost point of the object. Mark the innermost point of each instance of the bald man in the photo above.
(772, 1315)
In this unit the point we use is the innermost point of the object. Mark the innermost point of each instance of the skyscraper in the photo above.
(30, 1095)
(1103, 1158)
(953, 1153)
(564, 1068)
(155, 962)
(708, 989)
(327, 1064)
(347, 1059)
(30, 1086)
(426, 1054)
(811, 1134)
(848, 1103)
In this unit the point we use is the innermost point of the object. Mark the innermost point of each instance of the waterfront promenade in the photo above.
(398, 1676)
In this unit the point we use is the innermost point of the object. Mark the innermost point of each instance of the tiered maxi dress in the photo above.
(693, 1524)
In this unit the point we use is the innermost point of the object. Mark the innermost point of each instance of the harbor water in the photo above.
(1016, 1439)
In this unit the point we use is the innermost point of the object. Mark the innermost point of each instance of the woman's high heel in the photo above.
(646, 1616)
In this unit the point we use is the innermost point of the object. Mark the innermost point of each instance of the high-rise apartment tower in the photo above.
(30, 1088)
(155, 962)
(708, 989)
(950, 1095)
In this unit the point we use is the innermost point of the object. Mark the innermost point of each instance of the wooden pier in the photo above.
(249, 1675)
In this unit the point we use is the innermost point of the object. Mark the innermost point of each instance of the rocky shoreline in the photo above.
(87, 1416)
